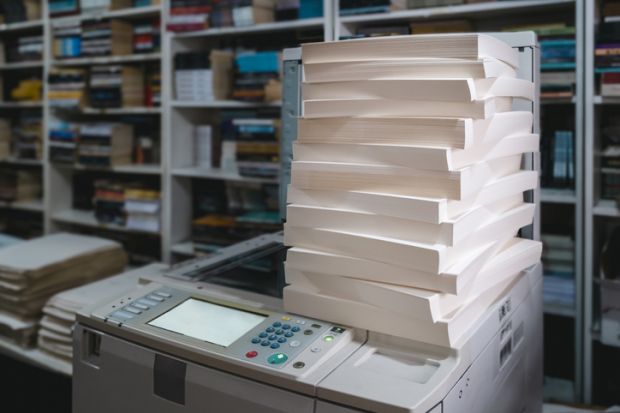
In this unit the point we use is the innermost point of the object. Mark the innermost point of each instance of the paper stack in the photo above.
(31, 272)
(406, 194)
(56, 326)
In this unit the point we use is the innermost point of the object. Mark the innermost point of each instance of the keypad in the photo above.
(275, 334)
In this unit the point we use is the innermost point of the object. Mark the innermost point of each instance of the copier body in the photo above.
(129, 365)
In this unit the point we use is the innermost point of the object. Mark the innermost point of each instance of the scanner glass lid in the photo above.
(208, 322)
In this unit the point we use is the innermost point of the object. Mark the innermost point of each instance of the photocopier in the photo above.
(180, 343)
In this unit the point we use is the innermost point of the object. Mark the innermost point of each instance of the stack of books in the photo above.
(607, 56)
(63, 7)
(146, 37)
(298, 9)
(27, 135)
(558, 160)
(152, 88)
(20, 184)
(406, 192)
(15, 11)
(257, 147)
(59, 314)
(105, 144)
(96, 39)
(63, 139)
(244, 13)
(193, 77)
(25, 49)
(143, 210)
(92, 38)
(558, 255)
(5, 138)
(33, 271)
(109, 202)
(350, 7)
(203, 77)
(66, 87)
(94, 6)
(189, 15)
(255, 72)
(611, 11)
(67, 41)
(116, 86)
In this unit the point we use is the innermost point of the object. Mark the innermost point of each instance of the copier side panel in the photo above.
(114, 375)
(507, 376)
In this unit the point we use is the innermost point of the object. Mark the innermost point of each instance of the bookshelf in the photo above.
(22, 60)
(61, 211)
(602, 213)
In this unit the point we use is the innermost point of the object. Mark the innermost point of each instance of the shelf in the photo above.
(224, 104)
(259, 28)
(215, 173)
(32, 205)
(558, 101)
(35, 357)
(87, 218)
(85, 61)
(606, 208)
(558, 310)
(122, 111)
(19, 105)
(606, 100)
(24, 162)
(478, 9)
(557, 196)
(127, 13)
(124, 169)
(21, 65)
(27, 25)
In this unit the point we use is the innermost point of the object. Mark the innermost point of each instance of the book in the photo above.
(422, 304)
(450, 90)
(433, 210)
(481, 109)
(446, 332)
(432, 158)
(420, 256)
(455, 133)
(450, 232)
(468, 46)
(401, 180)
(406, 69)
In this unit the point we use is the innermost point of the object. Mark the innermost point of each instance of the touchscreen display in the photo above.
(209, 322)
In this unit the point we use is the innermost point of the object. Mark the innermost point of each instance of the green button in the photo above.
(277, 358)
(328, 339)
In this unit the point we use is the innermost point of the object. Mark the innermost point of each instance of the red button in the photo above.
(251, 354)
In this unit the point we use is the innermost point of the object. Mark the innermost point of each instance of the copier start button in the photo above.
(277, 358)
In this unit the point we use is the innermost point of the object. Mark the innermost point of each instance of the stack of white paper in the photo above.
(59, 313)
(406, 193)
(31, 272)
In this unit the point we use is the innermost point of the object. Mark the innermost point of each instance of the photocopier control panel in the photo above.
(257, 336)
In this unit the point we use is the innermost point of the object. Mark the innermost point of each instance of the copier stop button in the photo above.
(277, 358)
(251, 354)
